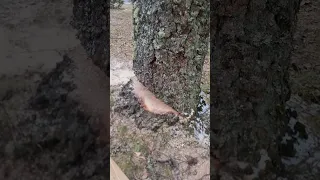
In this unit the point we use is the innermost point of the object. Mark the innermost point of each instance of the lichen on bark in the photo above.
(171, 41)
(251, 46)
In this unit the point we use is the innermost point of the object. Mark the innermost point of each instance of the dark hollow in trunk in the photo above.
(250, 55)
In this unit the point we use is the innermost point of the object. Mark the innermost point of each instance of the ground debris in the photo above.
(55, 138)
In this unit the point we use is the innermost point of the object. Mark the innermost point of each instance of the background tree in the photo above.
(91, 20)
(170, 44)
(116, 4)
(250, 57)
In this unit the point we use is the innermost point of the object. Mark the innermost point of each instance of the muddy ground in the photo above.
(49, 106)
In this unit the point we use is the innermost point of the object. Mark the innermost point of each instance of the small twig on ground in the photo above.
(204, 176)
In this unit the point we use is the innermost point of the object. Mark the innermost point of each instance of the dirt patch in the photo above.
(52, 135)
(51, 96)
(120, 33)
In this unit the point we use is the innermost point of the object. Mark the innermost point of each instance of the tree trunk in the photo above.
(251, 48)
(171, 41)
(91, 20)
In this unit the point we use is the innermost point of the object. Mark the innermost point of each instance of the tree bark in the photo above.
(91, 20)
(170, 44)
(251, 47)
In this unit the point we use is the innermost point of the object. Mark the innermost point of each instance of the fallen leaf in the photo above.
(138, 154)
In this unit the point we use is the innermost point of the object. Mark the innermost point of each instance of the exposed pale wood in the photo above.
(115, 172)
(149, 101)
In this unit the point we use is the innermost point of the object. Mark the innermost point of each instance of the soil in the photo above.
(50, 108)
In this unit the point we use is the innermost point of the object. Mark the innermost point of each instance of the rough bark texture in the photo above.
(171, 41)
(91, 20)
(251, 47)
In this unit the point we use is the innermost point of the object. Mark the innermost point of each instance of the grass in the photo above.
(127, 165)
(131, 162)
